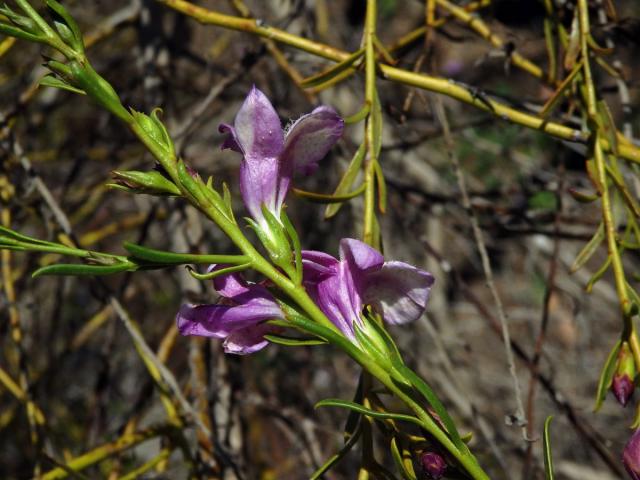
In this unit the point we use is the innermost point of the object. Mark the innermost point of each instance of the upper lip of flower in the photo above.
(271, 155)
(396, 290)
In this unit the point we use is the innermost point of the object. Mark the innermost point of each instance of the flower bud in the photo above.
(622, 384)
(433, 465)
(153, 182)
(155, 130)
(631, 456)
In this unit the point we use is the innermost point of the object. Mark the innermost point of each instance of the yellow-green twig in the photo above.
(420, 80)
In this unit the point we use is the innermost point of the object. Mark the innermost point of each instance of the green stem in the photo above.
(466, 459)
(370, 94)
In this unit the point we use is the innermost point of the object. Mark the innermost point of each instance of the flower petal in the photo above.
(398, 291)
(231, 285)
(257, 127)
(311, 137)
(248, 340)
(631, 456)
(360, 256)
(340, 301)
(231, 142)
(220, 321)
(259, 184)
(307, 141)
(317, 266)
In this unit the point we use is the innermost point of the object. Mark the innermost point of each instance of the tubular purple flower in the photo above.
(341, 288)
(272, 155)
(239, 318)
(631, 456)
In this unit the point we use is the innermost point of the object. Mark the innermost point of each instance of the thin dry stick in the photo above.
(519, 417)
(544, 322)
(166, 375)
(558, 397)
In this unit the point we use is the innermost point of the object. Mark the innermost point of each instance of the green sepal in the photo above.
(295, 242)
(151, 182)
(548, 458)
(606, 376)
(71, 33)
(155, 130)
(55, 82)
(85, 270)
(275, 240)
(226, 200)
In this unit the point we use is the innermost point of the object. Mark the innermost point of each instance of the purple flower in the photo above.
(271, 154)
(631, 456)
(238, 318)
(622, 387)
(341, 288)
(622, 384)
(433, 465)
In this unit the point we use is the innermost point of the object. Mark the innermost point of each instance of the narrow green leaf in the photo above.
(16, 32)
(358, 116)
(334, 459)
(573, 48)
(76, 35)
(608, 125)
(606, 376)
(218, 273)
(560, 92)
(24, 238)
(332, 72)
(382, 187)
(405, 468)
(84, 270)
(347, 180)
(294, 342)
(376, 119)
(338, 402)
(353, 420)
(548, 459)
(436, 404)
(324, 198)
(172, 258)
(55, 82)
(589, 249)
(598, 275)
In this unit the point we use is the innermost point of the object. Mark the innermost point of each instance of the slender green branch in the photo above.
(426, 82)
